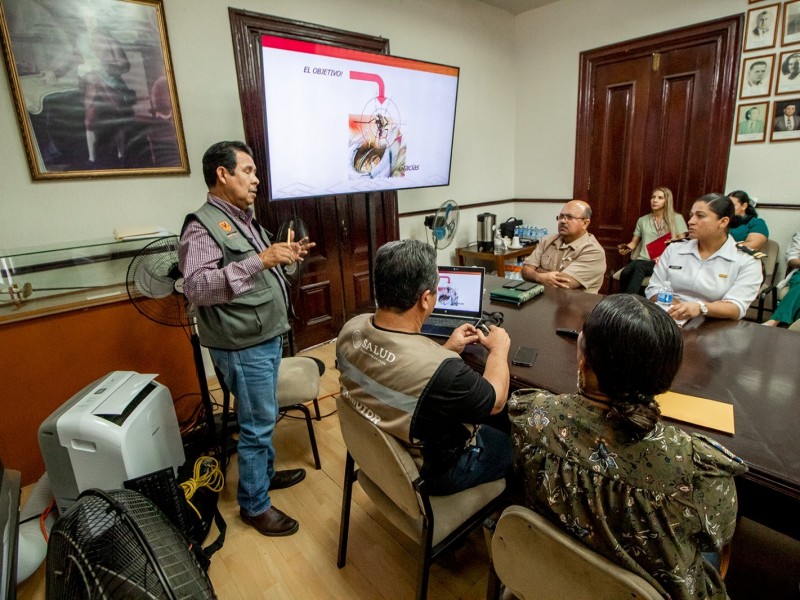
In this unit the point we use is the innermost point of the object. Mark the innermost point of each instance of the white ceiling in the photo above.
(516, 7)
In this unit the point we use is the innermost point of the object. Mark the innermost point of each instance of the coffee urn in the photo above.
(486, 226)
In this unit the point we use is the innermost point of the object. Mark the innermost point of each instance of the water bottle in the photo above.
(665, 296)
(499, 248)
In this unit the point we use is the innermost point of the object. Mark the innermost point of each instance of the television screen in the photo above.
(343, 121)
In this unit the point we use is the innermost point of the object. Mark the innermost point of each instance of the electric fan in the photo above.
(443, 224)
(155, 287)
(117, 544)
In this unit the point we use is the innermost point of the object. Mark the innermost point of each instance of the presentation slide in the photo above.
(459, 291)
(343, 121)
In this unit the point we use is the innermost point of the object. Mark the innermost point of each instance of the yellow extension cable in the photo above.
(206, 474)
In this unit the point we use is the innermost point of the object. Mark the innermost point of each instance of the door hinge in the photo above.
(656, 61)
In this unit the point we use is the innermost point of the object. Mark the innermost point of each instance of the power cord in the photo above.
(206, 474)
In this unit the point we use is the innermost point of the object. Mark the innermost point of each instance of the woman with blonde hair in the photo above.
(661, 220)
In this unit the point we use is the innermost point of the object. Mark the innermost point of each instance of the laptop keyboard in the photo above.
(450, 322)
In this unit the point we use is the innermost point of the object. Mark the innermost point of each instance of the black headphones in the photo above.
(493, 318)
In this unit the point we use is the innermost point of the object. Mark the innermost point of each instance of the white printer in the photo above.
(119, 427)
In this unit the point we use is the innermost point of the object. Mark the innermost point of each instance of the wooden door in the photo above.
(335, 283)
(654, 111)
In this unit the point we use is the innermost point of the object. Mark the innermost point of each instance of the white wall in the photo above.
(476, 37)
(549, 42)
(515, 123)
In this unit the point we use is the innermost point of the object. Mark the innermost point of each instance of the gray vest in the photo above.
(249, 319)
(383, 373)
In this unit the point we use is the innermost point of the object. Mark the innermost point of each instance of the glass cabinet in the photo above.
(55, 278)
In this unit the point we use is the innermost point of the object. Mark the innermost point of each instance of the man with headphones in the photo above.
(421, 392)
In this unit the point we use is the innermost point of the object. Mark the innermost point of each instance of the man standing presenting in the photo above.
(232, 274)
(571, 258)
(420, 392)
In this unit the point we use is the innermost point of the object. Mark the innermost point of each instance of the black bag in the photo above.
(507, 228)
(163, 490)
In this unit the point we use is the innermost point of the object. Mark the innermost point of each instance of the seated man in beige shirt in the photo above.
(572, 258)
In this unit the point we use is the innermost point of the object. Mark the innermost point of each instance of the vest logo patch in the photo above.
(382, 355)
(225, 226)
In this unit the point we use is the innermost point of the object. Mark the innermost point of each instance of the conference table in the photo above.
(752, 367)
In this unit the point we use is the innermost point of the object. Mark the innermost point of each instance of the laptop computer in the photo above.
(459, 300)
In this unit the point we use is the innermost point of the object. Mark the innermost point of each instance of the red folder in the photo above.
(656, 247)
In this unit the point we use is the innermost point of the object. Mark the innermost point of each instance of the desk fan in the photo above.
(155, 287)
(117, 544)
(443, 224)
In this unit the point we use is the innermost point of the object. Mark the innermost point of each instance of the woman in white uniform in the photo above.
(709, 275)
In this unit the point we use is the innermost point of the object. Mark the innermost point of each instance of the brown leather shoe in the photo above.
(272, 522)
(287, 478)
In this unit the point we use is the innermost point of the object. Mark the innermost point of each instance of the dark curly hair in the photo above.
(634, 349)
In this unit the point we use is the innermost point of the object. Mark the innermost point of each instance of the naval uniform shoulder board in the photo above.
(754, 253)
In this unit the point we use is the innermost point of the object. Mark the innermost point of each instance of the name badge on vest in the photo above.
(676, 267)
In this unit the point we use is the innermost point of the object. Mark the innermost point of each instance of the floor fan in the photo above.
(155, 287)
(117, 544)
(443, 224)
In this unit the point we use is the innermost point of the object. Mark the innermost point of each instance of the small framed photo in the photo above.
(750, 123)
(762, 27)
(788, 73)
(756, 76)
(785, 121)
(791, 23)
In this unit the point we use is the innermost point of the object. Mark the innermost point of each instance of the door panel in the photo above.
(654, 111)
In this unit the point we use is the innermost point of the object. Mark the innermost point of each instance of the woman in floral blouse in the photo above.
(647, 495)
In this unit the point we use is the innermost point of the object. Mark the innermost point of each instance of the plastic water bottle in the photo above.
(499, 248)
(665, 296)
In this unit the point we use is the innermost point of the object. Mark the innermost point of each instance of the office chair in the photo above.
(536, 560)
(767, 290)
(390, 478)
(298, 383)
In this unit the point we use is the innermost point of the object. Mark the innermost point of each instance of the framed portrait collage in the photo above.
(769, 86)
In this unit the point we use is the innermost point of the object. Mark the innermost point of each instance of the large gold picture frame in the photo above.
(93, 87)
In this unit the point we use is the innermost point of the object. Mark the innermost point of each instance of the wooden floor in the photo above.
(381, 561)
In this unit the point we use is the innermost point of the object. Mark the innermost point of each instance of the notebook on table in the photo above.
(459, 300)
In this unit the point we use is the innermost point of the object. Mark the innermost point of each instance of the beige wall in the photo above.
(476, 37)
(549, 41)
(515, 123)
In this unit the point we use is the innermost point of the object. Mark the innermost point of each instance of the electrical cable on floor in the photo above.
(206, 474)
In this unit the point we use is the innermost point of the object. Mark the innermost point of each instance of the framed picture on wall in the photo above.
(93, 87)
(756, 77)
(751, 123)
(791, 23)
(785, 121)
(762, 27)
(788, 73)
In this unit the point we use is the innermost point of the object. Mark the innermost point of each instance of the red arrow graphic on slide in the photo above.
(370, 77)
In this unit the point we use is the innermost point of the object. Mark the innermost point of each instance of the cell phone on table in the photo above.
(526, 285)
(524, 356)
(513, 284)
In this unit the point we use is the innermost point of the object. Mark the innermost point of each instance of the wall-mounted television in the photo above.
(341, 121)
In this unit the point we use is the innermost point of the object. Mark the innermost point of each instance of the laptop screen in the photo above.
(460, 292)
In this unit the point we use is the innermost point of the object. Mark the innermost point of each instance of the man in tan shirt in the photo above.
(572, 258)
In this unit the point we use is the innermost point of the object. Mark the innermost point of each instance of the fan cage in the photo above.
(117, 544)
(155, 267)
